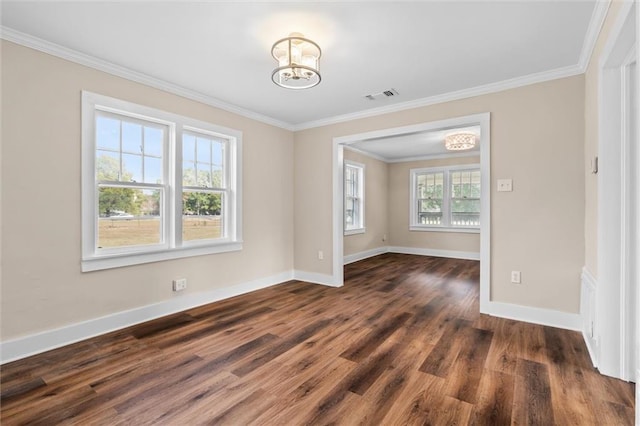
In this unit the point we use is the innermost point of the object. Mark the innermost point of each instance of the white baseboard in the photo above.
(533, 315)
(33, 344)
(453, 254)
(365, 254)
(315, 278)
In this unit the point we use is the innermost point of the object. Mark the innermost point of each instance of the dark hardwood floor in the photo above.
(401, 343)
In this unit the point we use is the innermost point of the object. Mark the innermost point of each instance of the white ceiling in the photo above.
(221, 50)
(411, 146)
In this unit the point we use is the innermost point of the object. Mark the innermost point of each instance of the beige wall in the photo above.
(591, 142)
(537, 139)
(399, 189)
(42, 286)
(376, 194)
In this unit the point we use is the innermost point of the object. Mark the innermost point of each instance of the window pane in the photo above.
(218, 177)
(153, 139)
(204, 175)
(465, 212)
(188, 174)
(204, 150)
(353, 204)
(349, 212)
(202, 215)
(430, 185)
(131, 137)
(131, 168)
(465, 184)
(107, 165)
(128, 217)
(430, 212)
(218, 153)
(188, 148)
(152, 170)
(108, 133)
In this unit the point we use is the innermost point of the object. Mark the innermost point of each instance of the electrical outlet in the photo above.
(320, 255)
(515, 277)
(180, 284)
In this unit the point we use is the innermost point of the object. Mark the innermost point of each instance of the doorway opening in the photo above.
(478, 122)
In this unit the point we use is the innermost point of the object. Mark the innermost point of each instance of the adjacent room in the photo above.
(282, 213)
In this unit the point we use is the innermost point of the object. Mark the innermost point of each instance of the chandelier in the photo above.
(460, 141)
(298, 62)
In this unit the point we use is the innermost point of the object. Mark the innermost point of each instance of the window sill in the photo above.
(354, 231)
(98, 263)
(444, 229)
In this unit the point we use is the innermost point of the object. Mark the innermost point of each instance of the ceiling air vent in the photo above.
(384, 94)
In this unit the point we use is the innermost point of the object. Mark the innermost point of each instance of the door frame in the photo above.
(617, 290)
(484, 121)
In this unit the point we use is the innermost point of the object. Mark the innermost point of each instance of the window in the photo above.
(155, 185)
(353, 198)
(445, 199)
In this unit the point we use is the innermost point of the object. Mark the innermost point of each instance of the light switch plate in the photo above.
(505, 185)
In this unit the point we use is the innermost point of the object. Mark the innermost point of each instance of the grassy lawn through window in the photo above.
(119, 232)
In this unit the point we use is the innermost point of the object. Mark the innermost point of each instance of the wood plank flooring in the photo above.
(401, 343)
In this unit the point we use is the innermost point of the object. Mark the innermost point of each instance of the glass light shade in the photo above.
(298, 62)
(460, 141)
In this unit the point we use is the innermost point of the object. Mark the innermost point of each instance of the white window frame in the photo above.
(446, 226)
(360, 229)
(171, 246)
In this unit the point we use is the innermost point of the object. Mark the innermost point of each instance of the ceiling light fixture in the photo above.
(460, 141)
(298, 62)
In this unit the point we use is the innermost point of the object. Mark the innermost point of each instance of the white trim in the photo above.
(128, 259)
(468, 154)
(593, 31)
(587, 313)
(451, 254)
(611, 305)
(367, 154)
(77, 57)
(482, 119)
(355, 257)
(486, 89)
(548, 317)
(172, 246)
(431, 228)
(355, 231)
(33, 344)
(316, 278)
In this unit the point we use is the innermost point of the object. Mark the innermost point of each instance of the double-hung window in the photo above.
(445, 199)
(155, 185)
(353, 198)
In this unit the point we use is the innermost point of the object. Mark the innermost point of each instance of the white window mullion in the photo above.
(175, 177)
(446, 199)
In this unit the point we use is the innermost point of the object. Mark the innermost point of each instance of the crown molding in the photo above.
(50, 48)
(468, 154)
(593, 31)
(366, 154)
(595, 25)
(500, 86)
(414, 158)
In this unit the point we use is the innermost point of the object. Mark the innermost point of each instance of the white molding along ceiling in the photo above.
(366, 48)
